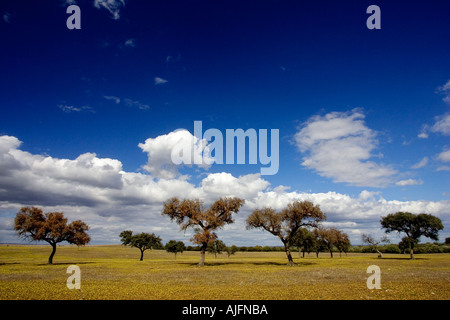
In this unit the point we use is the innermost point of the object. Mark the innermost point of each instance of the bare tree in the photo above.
(367, 238)
(189, 213)
(286, 223)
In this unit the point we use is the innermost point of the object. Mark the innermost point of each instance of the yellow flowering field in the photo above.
(115, 272)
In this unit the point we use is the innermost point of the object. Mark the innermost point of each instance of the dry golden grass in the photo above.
(115, 272)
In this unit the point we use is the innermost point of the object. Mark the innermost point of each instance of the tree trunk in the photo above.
(50, 259)
(288, 254)
(202, 255)
(142, 255)
(331, 253)
(380, 254)
(411, 253)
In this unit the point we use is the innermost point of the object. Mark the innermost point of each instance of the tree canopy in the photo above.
(174, 246)
(143, 241)
(52, 227)
(413, 226)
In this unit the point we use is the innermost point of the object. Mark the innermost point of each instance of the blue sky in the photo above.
(362, 114)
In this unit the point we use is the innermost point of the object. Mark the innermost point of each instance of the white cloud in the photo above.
(113, 6)
(423, 134)
(445, 90)
(409, 182)
(159, 80)
(159, 151)
(444, 156)
(422, 163)
(70, 109)
(442, 124)
(113, 98)
(7, 17)
(130, 43)
(368, 195)
(99, 192)
(339, 146)
(136, 104)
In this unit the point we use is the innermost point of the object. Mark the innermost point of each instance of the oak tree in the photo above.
(143, 241)
(413, 226)
(304, 240)
(327, 238)
(285, 223)
(52, 227)
(174, 246)
(216, 247)
(190, 213)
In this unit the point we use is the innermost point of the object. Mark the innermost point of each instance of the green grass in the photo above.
(115, 272)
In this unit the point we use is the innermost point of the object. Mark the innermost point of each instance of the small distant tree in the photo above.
(31, 223)
(447, 240)
(231, 250)
(327, 238)
(216, 247)
(143, 241)
(191, 214)
(174, 246)
(367, 238)
(286, 223)
(413, 225)
(342, 242)
(304, 240)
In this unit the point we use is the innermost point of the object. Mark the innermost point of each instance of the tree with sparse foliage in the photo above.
(327, 238)
(191, 214)
(413, 225)
(286, 223)
(31, 223)
(367, 238)
(216, 247)
(342, 242)
(143, 241)
(174, 246)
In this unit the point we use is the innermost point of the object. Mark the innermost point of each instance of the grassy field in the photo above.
(115, 272)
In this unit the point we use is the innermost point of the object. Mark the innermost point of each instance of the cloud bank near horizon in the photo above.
(98, 191)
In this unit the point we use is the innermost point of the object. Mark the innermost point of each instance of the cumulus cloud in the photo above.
(161, 152)
(339, 146)
(113, 6)
(99, 192)
(442, 125)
